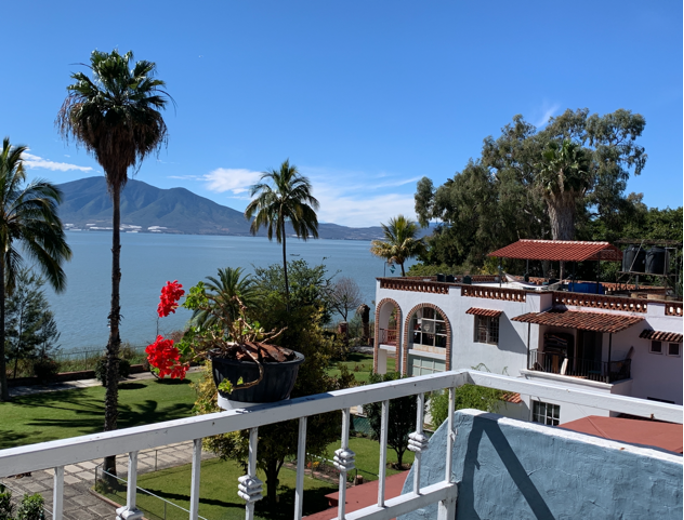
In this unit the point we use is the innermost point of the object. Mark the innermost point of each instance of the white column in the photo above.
(58, 493)
(382, 470)
(250, 487)
(301, 464)
(129, 511)
(344, 461)
(418, 442)
(195, 482)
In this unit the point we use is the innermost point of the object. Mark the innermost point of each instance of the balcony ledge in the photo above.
(562, 379)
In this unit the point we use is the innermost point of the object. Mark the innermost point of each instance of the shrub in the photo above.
(31, 508)
(45, 368)
(6, 506)
(101, 369)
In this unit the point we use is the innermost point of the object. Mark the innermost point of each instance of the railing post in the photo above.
(58, 493)
(418, 442)
(301, 464)
(129, 511)
(382, 470)
(250, 487)
(195, 482)
(344, 461)
(446, 509)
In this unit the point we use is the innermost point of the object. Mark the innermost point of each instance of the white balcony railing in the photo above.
(57, 454)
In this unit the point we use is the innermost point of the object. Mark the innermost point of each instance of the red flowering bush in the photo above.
(170, 294)
(166, 358)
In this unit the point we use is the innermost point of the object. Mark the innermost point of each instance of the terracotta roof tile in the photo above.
(656, 335)
(596, 321)
(489, 313)
(512, 398)
(564, 250)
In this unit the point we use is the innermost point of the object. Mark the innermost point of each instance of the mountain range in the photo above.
(146, 209)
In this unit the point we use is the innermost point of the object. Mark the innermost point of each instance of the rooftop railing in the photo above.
(58, 454)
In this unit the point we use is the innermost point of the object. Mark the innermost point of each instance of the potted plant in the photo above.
(247, 368)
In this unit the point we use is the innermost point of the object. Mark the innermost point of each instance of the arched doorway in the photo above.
(427, 341)
(387, 335)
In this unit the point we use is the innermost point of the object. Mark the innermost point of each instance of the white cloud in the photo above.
(34, 162)
(234, 180)
(547, 111)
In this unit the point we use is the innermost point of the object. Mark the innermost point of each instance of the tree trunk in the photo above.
(403, 273)
(112, 391)
(365, 319)
(272, 471)
(4, 390)
(400, 459)
(562, 215)
(287, 285)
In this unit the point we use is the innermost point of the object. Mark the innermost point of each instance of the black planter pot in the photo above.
(278, 381)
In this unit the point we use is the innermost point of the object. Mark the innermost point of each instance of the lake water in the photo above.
(148, 261)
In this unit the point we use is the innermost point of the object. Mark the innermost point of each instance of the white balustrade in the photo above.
(57, 454)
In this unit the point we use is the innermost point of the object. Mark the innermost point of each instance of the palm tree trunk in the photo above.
(112, 392)
(4, 391)
(287, 284)
(403, 273)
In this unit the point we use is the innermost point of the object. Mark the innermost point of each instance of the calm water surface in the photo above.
(148, 261)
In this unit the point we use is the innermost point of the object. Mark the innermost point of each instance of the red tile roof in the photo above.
(563, 250)
(361, 496)
(646, 433)
(656, 335)
(596, 321)
(489, 313)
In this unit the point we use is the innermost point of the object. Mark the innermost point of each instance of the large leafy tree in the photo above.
(28, 218)
(115, 114)
(529, 183)
(401, 242)
(283, 196)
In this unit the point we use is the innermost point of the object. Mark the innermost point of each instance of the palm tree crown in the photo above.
(115, 115)
(400, 242)
(28, 216)
(283, 196)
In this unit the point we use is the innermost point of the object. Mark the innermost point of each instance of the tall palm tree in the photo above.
(115, 115)
(400, 242)
(28, 216)
(285, 197)
(566, 173)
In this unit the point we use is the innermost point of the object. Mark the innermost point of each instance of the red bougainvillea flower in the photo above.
(168, 301)
(166, 358)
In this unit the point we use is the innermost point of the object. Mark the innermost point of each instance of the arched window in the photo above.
(427, 328)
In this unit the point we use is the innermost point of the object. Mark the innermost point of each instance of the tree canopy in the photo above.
(555, 182)
(401, 241)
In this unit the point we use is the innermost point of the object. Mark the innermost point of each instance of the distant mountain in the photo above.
(146, 209)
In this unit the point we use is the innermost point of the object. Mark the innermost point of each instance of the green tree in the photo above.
(401, 242)
(116, 116)
(28, 217)
(466, 396)
(402, 418)
(30, 328)
(221, 291)
(530, 183)
(305, 334)
(283, 196)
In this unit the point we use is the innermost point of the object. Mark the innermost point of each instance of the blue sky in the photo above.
(364, 97)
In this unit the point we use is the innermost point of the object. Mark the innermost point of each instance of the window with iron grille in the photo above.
(487, 330)
(656, 347)
(545, 413)
(673, 349)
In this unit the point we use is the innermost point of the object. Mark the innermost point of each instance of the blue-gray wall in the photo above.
(511, 469)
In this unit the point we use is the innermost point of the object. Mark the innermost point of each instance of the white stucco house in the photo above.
(617, 344)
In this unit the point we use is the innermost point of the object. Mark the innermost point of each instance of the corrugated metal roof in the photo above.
(656, 335)
(489, 313)
(596, 321)
(561, 250)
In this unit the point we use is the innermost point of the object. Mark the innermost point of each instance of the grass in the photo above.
(368, 457)
(361, 365)
(218, 493)
(69, 413)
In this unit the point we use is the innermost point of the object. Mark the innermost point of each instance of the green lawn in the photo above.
(70, 413)
(218, 493)
(368, 457)
(361, 365)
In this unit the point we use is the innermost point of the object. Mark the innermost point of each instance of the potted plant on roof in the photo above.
(247, 367)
